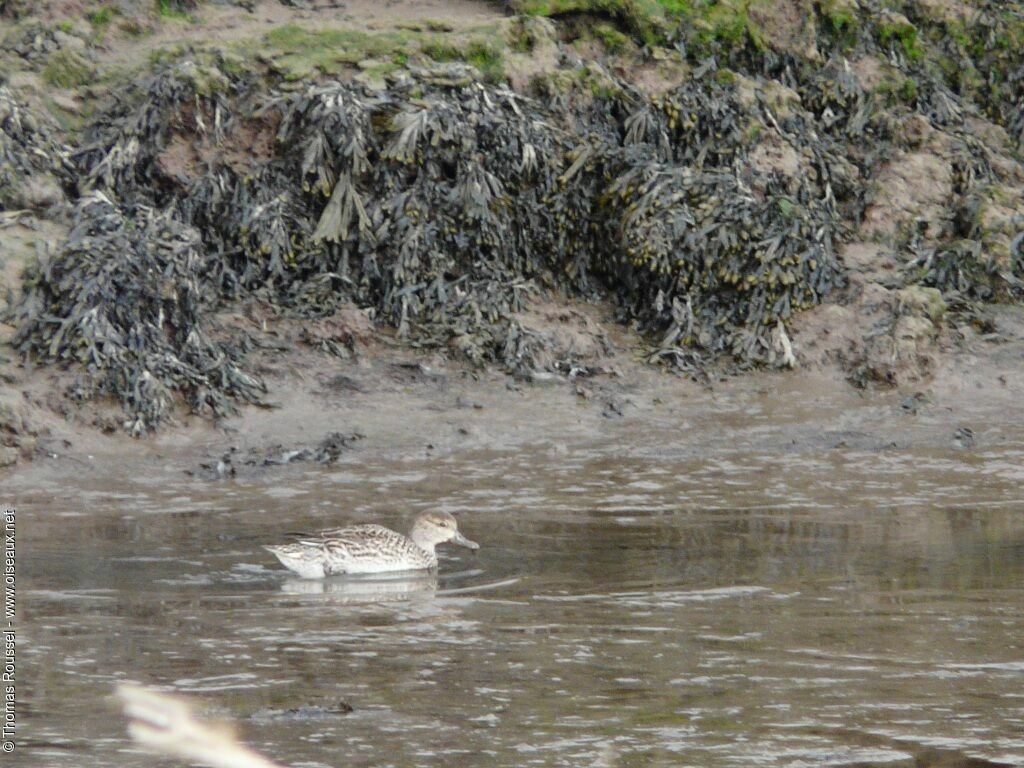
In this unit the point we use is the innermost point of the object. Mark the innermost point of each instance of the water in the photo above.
(747, 605)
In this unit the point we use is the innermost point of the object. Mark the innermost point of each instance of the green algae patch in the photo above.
(726, 24)
(898, 90)
(706, 25)
(591, 82)
(647, 21)
(613, 40)
(896, 30)
(208, 71)
(101, 18)
(67, 69)
(840, 22)
(299, 53)
(486, 57)
(176, 10)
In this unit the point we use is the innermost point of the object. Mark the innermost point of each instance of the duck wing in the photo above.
(316, 538)
(368, 530)
(372, 549)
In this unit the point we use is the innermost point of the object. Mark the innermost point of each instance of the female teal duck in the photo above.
(371, 548)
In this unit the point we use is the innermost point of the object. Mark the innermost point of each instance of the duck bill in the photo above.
(458, 538)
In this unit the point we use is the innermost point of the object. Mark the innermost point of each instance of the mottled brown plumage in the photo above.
(371, 548)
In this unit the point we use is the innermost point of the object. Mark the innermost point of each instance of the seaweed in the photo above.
(962, 268)
(443, 202)
(712, 265)
(125, 298)
(28, 147)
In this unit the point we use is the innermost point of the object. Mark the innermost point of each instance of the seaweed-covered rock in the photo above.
(716, 266)
(125, 299)
(438, 204)
(32, 161)
(17, 434)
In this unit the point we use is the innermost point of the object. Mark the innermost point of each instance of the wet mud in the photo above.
(729, 575)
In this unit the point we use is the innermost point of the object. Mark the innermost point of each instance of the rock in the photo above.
(17, 438)
(545, 378)
(781, 99)
(963, 437)
(912, 329)
(9, 456)
(41, 191)
(884, 336)
(570, 336)
(999, 221)
(871, 261)
(922, 302)
(788, 25)
(895, 20)
(206, 79)
(12, 419)
(919, 320)
(775, 155)
(946, 10)
(69, 42)
(356, 322)
(24, 80)
(371, 63)
(870, 72)
(915, 186)
(916, 130)
(68, 102)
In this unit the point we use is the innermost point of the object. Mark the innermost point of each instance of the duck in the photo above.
(363, 549)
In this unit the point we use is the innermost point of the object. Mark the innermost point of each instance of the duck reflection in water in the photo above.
(361, 589)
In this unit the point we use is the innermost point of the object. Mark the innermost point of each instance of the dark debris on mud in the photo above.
(233, 462)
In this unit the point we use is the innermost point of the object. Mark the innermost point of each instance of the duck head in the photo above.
(433, 528)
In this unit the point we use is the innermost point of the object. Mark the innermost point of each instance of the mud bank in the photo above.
(392, 403)
(516, 200)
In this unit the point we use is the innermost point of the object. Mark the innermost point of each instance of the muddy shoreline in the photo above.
(884, 276)
(734, 531)
(392, 402)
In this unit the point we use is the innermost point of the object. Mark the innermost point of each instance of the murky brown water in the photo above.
(804, 606)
